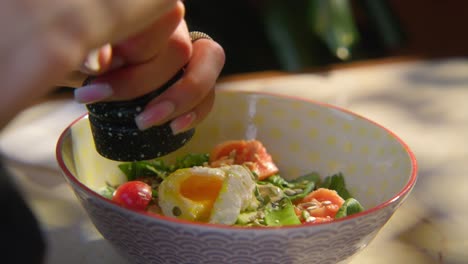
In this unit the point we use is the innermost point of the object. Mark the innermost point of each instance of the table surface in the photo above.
(424, 102)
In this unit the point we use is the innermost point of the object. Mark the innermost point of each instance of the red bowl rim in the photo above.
(402, 193)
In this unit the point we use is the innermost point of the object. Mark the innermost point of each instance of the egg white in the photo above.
(236, 194)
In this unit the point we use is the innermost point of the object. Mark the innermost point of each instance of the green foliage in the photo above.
(307, 33)
(336, 182)
(158, 168)
(281, 214)
(349, 207)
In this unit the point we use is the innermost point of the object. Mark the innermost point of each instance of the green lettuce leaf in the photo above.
(158, 168)
(309, 177)
(281, 213)
(191, 160)
(137, 169)
(306, 183)
(297, 188)
(276, 180)
(349, 207)
(336, 182)
(107, 191)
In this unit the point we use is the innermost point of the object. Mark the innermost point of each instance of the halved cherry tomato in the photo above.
(321, 204)
(251, 153)
(134, 195)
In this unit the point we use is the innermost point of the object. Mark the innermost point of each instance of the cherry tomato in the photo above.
(134, 195)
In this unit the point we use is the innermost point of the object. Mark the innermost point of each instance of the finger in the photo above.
(96, 22)
(197, 82)
(136, 49)
(60, 33)
(190, 119)
(131, 17)
(135, 80)
(146, 44)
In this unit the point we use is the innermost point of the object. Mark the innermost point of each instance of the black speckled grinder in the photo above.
(117, 137)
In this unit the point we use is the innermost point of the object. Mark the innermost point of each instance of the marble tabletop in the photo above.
(424, 102)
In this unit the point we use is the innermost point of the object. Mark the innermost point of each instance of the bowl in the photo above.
(302, 136)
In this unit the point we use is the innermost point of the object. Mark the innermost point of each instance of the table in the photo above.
(425, 102)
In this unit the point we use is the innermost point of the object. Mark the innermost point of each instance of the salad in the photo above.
(237, 183)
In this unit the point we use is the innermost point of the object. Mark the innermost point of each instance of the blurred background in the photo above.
(300, 35)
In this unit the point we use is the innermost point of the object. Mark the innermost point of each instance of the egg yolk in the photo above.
(203, 190)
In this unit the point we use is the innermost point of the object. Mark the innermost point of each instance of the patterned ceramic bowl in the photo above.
(302, 136)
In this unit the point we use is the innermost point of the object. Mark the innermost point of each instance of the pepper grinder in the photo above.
(117, 137)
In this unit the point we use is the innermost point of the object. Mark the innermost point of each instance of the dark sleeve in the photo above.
(21, 240)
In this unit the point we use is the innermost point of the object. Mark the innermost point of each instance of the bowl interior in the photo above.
(302, 136)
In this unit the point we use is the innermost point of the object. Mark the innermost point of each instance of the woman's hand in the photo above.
(143, 63)
(42, 42)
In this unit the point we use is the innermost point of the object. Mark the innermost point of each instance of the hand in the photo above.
(145, 62)
(43, 41)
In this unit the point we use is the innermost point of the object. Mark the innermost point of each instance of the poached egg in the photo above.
(211, 195)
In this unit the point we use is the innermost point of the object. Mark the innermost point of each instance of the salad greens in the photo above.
(336, 182)
(350, 206)
(281, 213)
(297, 188)
(158, 168)
(107, 191)
(279, 200)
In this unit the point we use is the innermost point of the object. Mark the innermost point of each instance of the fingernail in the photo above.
(154, 115)
(93, 92)
(92, 61)
(182, 123)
